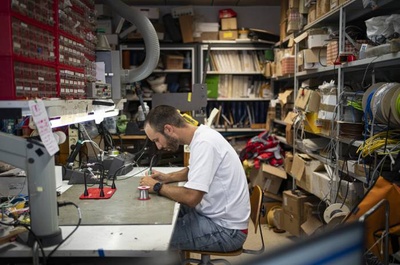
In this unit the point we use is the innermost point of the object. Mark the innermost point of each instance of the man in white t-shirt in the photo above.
(215, 203)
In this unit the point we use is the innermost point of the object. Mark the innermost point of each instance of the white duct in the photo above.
(150, 39)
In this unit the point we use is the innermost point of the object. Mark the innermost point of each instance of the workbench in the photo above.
(120, 229)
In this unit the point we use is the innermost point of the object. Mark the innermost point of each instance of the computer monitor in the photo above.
(342, 245)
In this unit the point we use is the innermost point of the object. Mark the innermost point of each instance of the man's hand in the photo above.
(148, 181)
(159, 176)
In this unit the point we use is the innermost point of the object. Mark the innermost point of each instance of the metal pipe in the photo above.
(386, 239)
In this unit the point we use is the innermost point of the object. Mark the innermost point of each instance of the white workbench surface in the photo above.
(107, 240)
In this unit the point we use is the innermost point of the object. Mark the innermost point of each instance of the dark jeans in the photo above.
(197, 232)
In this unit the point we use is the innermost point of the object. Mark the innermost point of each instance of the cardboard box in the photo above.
(314, 58)
(317, 40)
(291, 224)
(304, 166)
(268, 177)
(294, 4)
(288, 162)
(204, 36)
(293, 202)
(228, 35)
(293, 210)
(294, 21)
(349, 192)
(186, 26)
(312, 14)
(228, 23)
(323, 7)
(313, 211)
(272, 184)
(303, 96)
(174, 61)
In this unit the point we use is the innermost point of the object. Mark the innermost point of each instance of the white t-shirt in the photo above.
(215, 168)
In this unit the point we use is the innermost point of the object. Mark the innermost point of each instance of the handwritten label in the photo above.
(42, 123)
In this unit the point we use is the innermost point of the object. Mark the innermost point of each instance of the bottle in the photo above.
(142, 114)
(187, 61)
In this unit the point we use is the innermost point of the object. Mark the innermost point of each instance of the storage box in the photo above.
(294, 4)
(174, 61)
(304, 165)
(186, 26)
(349, 192)
(314, 58)
(294, 21)
(291, 224)
(268, 177)
(312, 14)
(228, 35)
(317, 40)
(228, 23)
(293, 209)
(323, 7)
(287, 65)
(288, 162)
(204, 36)
(293, 201)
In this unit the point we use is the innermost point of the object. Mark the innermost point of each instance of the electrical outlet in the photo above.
(182, 11)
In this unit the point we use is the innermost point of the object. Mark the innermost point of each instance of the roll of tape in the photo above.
(334, 210)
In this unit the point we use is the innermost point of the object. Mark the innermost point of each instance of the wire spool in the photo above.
(271, 220)
(395, 108)
(367, 98)
(335, 211)
(381, 101)
(144, 193)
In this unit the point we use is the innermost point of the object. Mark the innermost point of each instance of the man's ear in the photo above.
(168, 129)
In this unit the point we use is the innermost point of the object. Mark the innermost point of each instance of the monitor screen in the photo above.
(342, 245)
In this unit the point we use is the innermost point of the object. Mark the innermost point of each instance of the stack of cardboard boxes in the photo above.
(228, 29)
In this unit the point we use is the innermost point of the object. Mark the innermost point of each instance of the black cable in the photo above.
(61, 204)
(32, 233)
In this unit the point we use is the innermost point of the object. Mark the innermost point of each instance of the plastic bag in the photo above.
(383, 28)
(378, 30)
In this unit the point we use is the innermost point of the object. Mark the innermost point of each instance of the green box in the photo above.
(212, 86)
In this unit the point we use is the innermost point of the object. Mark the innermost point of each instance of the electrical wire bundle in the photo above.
(381, 104)
(375, 143)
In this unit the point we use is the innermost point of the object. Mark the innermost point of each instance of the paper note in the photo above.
(42, 123)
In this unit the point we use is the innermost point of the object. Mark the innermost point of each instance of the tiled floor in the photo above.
(272, 241)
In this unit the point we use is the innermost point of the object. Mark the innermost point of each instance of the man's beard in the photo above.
(172, 144)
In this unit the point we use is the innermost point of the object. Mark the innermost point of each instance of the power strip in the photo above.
(182, 11)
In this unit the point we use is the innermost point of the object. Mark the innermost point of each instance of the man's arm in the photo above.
(183, 195)
(180, 175)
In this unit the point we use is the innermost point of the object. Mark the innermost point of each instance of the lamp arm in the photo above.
(32, 156)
